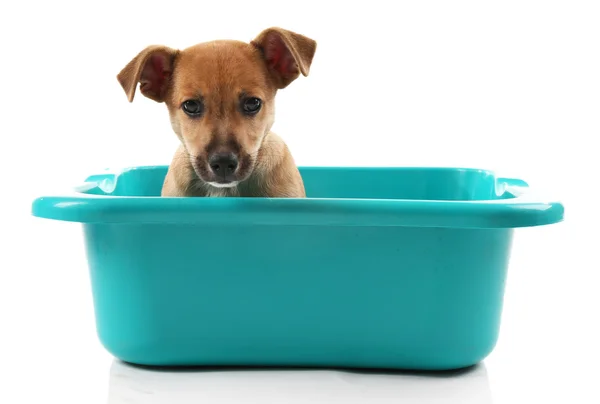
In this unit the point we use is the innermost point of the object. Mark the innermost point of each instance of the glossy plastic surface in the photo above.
(423, 197)
(385, 268)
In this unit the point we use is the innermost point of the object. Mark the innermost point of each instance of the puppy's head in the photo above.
(220, 95)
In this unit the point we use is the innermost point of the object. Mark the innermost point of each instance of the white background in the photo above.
(511, 86)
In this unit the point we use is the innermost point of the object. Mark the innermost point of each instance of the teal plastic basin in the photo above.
(377, 268)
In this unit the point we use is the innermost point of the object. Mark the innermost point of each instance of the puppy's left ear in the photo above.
(286, 53)
(152, 68)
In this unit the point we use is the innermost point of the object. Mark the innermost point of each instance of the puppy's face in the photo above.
(221, 107)
(220, 96)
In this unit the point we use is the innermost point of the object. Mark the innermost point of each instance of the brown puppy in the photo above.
(220, 96)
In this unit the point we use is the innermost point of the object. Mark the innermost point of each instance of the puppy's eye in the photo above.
(193, 108)
(251, 105)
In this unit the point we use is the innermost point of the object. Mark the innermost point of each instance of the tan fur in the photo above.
(221, 73)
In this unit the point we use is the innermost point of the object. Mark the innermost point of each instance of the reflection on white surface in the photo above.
(129, 384)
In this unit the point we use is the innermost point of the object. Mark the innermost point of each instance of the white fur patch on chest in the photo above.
(213, 192)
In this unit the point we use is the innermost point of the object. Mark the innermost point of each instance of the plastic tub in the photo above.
(378, 268)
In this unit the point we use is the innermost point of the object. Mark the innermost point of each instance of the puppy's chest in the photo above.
(249, 188)
(213, 192)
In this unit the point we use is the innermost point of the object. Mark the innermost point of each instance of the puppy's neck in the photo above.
(212, 191)
(197, 187)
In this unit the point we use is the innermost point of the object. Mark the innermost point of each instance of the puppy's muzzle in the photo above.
(224, 166)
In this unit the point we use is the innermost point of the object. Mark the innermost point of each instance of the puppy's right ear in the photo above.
(152, 68)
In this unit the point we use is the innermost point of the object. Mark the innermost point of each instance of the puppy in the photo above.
(220, 96)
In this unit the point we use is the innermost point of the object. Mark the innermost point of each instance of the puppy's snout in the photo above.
(223, 164)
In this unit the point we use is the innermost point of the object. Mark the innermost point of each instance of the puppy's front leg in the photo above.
(290, 186)
(170, 188)
(276, 173)
(180, 178)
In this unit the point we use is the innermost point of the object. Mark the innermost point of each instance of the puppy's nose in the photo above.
(223, 164)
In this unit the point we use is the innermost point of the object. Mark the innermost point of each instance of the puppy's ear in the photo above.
(286, 53)
(152, 68)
